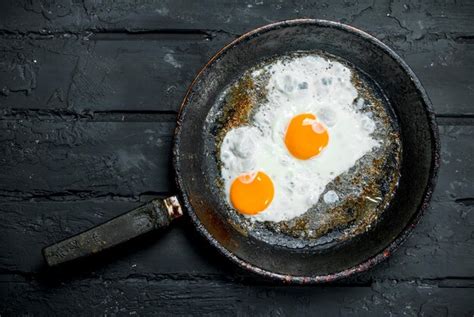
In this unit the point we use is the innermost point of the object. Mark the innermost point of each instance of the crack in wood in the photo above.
(49, 115)
(465, 39)
(69, 195)
(9, 114)
(455, 119)
(244, 278)
(98, 34)
(465, 201)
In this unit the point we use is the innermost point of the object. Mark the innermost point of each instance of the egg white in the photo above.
(305, 84)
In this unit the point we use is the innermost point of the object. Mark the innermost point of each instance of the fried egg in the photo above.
(305, 133)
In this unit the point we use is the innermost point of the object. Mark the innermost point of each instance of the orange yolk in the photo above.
(306, 137)
(251, 193)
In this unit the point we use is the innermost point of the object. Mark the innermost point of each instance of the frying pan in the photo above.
(196, 191)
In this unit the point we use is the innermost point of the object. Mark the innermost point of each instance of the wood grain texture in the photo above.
(139, 296)
(101, 73)
(89, 92)
(151, 72)
(387, 16)
(85, 158)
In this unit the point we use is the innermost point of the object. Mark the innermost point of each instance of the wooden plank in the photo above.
(108, 74)
(414, 19)
(443, 67)
(85, 158)
(138, 296)
(151, 72)
(443, 240)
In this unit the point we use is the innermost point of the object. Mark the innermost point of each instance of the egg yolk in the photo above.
(251, 193)
(306, 137)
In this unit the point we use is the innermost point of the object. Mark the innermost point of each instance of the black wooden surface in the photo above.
(89, 92)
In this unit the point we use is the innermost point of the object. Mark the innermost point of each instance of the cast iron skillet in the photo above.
(198, 197)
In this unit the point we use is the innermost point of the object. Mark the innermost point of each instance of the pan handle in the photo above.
(158, 213)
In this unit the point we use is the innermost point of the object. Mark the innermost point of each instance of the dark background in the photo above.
(89, 92)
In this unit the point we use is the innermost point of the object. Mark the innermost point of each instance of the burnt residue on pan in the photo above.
(365, 190)
(240, 102)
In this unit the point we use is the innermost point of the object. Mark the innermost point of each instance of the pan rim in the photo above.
(388, 250)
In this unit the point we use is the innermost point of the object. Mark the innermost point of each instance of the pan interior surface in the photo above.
(306, 262)
(362, 192)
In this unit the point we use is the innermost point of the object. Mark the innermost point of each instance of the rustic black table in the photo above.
(89, 92)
